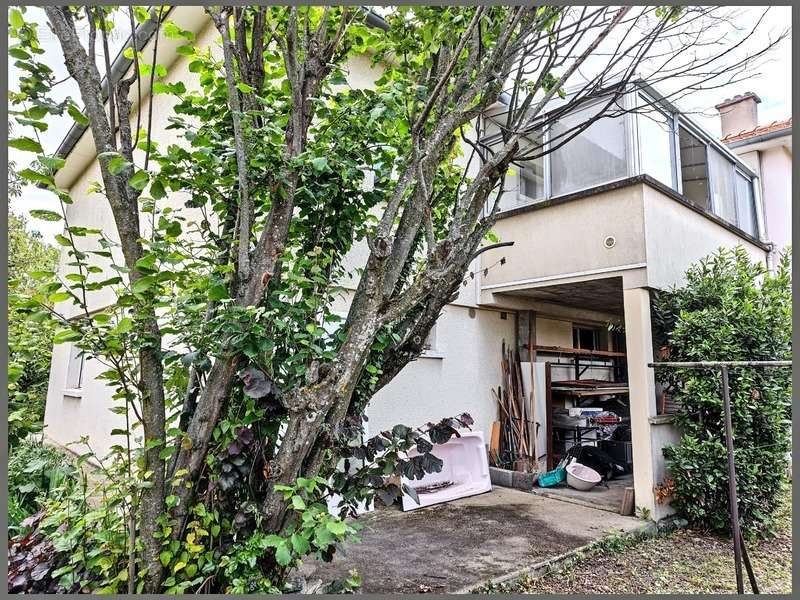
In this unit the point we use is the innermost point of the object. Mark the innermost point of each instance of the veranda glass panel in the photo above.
(722, 186)
(745, 205)
(655, 153)
(694, 168)
(527, 183)
(596, 155)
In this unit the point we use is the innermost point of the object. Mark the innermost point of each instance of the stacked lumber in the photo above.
(515, 448)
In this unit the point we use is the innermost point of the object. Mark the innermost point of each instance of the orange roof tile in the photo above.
(760, 130)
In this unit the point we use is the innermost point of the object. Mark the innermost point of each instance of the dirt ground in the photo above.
(448, 547)
(684, 561)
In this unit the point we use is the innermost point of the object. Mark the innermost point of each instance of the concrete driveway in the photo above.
(449, 547)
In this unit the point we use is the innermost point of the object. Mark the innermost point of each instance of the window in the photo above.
(531, 179)
(722, 186)
(745, 205)
(655, 144)
(596, 155)
(75, 368)
(585, 338)
(530, 176)
(694, 168)
(431, 349)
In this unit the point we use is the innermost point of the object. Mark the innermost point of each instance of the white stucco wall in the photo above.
(677, 236)
(776, 182)
(568, 239)
(430, 389)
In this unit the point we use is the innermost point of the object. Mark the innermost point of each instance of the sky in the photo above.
(771, 81)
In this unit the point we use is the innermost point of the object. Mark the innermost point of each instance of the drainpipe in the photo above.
(771, 257)
(761, 221)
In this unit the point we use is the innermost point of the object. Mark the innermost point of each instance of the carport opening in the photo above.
(571, 356)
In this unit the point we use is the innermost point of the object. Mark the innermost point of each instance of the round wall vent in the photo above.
(610, 242)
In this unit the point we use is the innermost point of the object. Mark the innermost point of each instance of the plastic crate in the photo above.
(553, 477)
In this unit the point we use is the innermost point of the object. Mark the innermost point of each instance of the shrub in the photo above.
(30, 339)
(36, 472)
(729, 309)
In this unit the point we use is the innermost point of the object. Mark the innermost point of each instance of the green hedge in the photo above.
(730, 308)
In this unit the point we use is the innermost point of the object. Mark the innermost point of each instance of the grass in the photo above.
(682, 561)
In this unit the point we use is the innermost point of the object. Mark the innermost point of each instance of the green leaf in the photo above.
(298, 503)
(273, 541)
(15, 18)
(66, 335)
(51, 162)
(218, 292)
(282, 555)
(124, 326)
(172, 31)
(319, 163)
(165, 557)
(337, 528)
(36, 176)
(143, 284)
(19, 53)
(139, 180)
(77, 115)
(117, 165)
(147, 264)
(63, 240)
(45, 215)
(244, 88)
(300, 544)
(157, 190)
(141, 13)
(25, 144)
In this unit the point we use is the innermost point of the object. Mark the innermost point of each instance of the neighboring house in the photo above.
(622, 209)
(767, 150)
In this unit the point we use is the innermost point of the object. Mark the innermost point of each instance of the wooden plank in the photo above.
(494, 442)
(591, 393)
(628, 502)
(579, 352)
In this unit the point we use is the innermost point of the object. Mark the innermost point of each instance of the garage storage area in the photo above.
(564, 404)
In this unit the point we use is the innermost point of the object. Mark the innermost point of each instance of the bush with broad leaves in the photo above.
(730, 309)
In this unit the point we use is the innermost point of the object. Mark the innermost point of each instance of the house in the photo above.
(767, 150)
(618, 211)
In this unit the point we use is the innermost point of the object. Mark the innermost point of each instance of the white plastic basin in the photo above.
(582, 477)
(465, 472)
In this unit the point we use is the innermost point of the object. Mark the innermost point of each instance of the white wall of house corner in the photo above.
(776, 168)
(429, 389)
(677, 236)
(68, 418)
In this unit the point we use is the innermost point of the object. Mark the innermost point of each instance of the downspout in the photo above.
(761, 220)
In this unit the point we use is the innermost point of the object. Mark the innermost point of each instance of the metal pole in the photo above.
(732, 499)
(750, 574)
(708, 364)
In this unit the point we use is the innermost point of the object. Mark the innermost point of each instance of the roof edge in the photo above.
(144, 32)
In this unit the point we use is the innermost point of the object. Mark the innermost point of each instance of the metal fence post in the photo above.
(739, 547)
(733, 499)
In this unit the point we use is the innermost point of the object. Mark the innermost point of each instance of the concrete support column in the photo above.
(641, 383)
